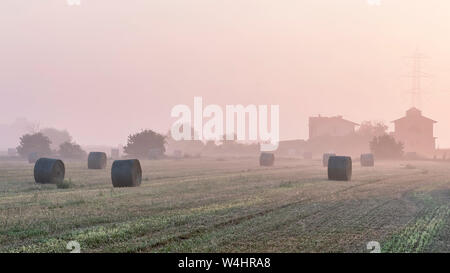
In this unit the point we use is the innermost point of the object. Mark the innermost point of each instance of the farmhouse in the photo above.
(415, 131)
(330, 126)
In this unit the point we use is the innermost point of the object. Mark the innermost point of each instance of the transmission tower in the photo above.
(416, 76)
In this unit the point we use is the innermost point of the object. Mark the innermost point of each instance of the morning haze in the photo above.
(238, 128)
(115, 67)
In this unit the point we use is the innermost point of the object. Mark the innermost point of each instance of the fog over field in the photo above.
(225, 127)
(122, 65)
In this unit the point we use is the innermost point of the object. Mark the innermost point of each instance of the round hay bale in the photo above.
(266, 159)
(49, 171)
(97, 160)
(367, 160)
(33, 157)
(326, 157)
(126, 173)
(340, 168)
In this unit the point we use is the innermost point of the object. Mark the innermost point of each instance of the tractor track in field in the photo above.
(238, 220)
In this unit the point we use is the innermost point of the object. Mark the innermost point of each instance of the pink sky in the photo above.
(108, 68)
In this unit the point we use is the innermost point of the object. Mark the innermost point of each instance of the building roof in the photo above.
(335, 118)
(414, 112)
(292, 142)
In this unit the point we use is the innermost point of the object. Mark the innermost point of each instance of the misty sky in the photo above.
(107, 68)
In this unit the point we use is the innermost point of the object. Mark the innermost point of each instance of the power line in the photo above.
(416, 79)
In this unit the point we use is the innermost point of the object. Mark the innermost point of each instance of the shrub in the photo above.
(386, 147)
(71, 150)
(141, 143)
(65, 184)
(34, 143)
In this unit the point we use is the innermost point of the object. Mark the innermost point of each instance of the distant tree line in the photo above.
(150, 144)
(43, 144)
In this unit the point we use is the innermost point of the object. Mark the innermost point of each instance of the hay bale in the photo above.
(49, 171)
(126, 173)
(33, 157)
(326, 157)
(367, 160)
(97, 160)
(266, 159)
(340, 168)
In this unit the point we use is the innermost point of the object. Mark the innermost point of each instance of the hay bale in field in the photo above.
(340, 168)
(97, 160)
(33, 157)
(49, 171)
(126, 173)
(326, 157)
(266, 159)
(367, 160)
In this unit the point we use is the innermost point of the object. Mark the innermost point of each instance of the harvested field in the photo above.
(229, 205)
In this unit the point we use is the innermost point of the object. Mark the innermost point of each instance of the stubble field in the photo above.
(229, 205)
